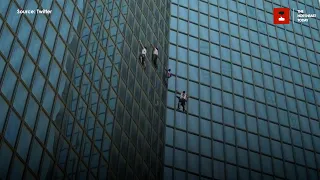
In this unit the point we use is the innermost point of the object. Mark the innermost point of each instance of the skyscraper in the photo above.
(254, 91)
(74, 100)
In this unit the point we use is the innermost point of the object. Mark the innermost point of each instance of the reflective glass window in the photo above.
(6, 38)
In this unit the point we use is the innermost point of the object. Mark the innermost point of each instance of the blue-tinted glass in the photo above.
(180, 139)
(193, 143)
(307, 141)
(2, 66)
(253, 142)
(266, 164)
(4, 109)
(20, 98)
(218, 168)
(8, 83)
(268, 82)
(6, 39)
(234, 30)
(226, 68)
(48, 99)
(205, 146)
(12, 128)
(245, 47)
(290, 170)
(42, 127)
(5, 155)
(35, 47)
(204, 61)
(248, 90)
(287, 151)
(193, 163)
(259, 94)
(17, 169)
(27, 71)
(55, 15)
(182, 54)
(180, 159)
(241, 138)
(254, 161)
(250, 107)
(24, 142)
(298, 156)
(168, 156)
(69, 7)
(278, 167)
(183, 12)
(170, 100)
(38, 84)
(31, 112)
(181, 121)
(274, 131)
(205, 128)
(59, 50)
(203, 20)
(218, 150)
(44, 60)
(276, 149)
(17, 55)
(193, 29)
(240, 120)
(193, 73)
(217, 131)
(310, 159)
(285, 134)
(204, 92)
(229, 134)
(35, 156)
(169, 136)
(193, 58)
(215, 51)
(204, 47)
(246, 60)
(12, 17)
(193, 124)
(235, 43)
(182, 41)
(271, 98)
(54, 74)
(227, 99)
(292, 105)
(206, 167)
(261, 110)
(204, 77)
(50, 36)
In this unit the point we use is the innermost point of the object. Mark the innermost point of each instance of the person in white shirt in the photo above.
(143, 55)
(182, 100)
(155, 55)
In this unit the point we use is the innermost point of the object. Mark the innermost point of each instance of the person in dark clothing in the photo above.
(182, 100)
(143, 55)
(155, 54)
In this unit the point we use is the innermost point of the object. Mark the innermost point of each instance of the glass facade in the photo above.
(74, 102)
(254, 91)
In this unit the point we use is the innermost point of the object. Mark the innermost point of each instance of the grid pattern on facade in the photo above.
(254, 92)
(74, 102)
